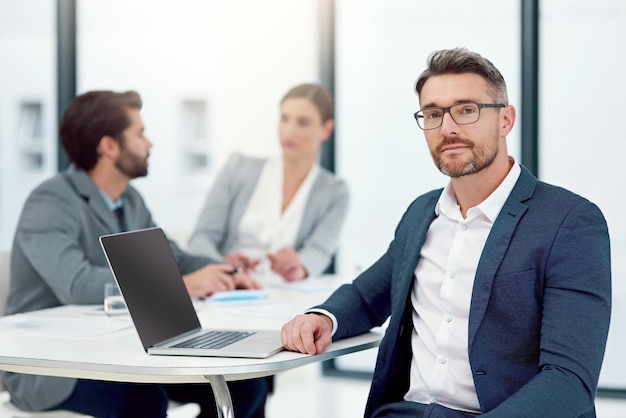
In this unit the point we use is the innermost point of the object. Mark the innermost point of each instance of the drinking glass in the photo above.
(113, 300)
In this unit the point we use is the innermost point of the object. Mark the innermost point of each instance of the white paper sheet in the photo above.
(62, 326)
(267, 309)
(312, 285)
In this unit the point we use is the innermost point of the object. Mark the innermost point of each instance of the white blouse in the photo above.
(264, 228)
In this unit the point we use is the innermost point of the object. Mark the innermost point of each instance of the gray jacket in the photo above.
(316, 241)
(56, 259)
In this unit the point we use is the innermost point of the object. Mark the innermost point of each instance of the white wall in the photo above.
(239, 56)
(27, 55)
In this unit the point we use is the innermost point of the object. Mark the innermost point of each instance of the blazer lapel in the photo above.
(415, 238)
(496, 247)
(397, 349)
(418, 220)
(86, 189)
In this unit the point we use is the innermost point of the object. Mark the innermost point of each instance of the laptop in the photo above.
(145, 269)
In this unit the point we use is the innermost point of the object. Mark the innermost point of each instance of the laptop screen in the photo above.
(145, 269)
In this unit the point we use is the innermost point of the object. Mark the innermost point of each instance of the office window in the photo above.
(195, 143)
(30, 137)
(581, 148)
(381, 49)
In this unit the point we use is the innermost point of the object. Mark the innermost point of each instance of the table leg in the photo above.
(222, 396)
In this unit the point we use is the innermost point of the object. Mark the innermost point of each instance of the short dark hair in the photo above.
(460, 61)
(89, 117)
(318, 95)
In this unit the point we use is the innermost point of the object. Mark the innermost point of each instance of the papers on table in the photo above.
(252, 303)
(265, 309)
(312, 285)
(62, 326)
(238, 295)
(257, 304)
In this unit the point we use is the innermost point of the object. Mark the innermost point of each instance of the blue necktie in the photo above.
(119, 214)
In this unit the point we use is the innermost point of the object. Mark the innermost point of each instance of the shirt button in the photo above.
(452, 275)
(448, 318)
(441, 360)
(462, 227)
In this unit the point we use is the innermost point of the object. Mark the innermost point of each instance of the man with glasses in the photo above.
(498, 287)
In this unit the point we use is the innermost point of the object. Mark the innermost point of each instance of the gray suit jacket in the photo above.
(539, 314)
(316, 241)
(56, 260)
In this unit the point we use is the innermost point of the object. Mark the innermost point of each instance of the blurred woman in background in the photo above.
(283, 214)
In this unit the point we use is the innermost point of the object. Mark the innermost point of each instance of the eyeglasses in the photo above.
(462, 114)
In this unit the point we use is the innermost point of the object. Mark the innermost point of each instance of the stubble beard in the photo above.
(132, 165)
(481, 158)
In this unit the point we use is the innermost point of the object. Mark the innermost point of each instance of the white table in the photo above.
(119, 356)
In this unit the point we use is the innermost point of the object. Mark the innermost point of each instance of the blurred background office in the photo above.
(211, 73)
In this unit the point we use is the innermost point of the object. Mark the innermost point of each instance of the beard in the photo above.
(481, 158)
(132, 165)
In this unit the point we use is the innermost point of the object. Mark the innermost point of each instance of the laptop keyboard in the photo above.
(214, 339)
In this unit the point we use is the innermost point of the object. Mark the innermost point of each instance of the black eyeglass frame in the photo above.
(445, 110)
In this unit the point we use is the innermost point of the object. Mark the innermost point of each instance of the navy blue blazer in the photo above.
(539, 313)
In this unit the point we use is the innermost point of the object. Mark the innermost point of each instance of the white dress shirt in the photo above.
(441, 296)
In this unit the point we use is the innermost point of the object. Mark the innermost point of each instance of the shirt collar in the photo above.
(491, 206)
(111, 204)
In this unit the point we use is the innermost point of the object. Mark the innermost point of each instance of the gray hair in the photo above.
(461, 61)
